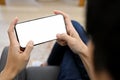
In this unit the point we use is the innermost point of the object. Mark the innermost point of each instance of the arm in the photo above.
(7, 74)
(75, 43)
(87, 59)
(17, 59)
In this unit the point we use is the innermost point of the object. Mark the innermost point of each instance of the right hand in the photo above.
(72, 38)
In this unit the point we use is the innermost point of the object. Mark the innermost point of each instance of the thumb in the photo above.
(28, 48)
(64, 37)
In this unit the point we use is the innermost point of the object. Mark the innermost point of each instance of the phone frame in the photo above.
(37, 19)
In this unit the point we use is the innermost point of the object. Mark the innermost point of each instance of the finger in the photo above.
(11, 34)
(63, 37)
(61, 12)
(61, 42)
(69, 25)
(28, 48)
(67, 19)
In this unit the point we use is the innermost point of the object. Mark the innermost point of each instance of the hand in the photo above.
(72, 38)
(17, 59)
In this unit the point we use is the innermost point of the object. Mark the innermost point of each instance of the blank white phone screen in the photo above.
(40, 30)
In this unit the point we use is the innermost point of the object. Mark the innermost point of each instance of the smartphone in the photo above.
(40, 30)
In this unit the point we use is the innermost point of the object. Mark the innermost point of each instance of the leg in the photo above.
(58, 51)
(82, 33)
(85, 39)
(72, 67)
(56, 55)
(69, 61)
(68, 68)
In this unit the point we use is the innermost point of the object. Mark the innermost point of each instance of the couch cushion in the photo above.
(42, 73)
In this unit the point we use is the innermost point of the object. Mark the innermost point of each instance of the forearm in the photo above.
(7, 75)
(88, 65)
(86, 58)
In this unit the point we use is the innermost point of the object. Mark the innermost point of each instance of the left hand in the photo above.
(17, 59)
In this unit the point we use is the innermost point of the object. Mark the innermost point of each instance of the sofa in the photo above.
(32, 73)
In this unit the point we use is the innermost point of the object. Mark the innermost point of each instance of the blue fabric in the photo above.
(68, 68)
(71, 66)
(82, 33)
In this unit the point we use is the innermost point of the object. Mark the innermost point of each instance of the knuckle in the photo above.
(30, 46)
(26, 58)
(8, 31)
(63, 35)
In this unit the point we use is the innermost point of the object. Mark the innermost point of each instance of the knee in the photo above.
(77, 25)
(82, 33)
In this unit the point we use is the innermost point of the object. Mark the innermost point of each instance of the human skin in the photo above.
(72, 39)
(85, 52)
(17, 59)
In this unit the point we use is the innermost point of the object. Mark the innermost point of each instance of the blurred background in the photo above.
(31, 9)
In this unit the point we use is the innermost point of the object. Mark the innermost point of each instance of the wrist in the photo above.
(7, 74)
(83, 49)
